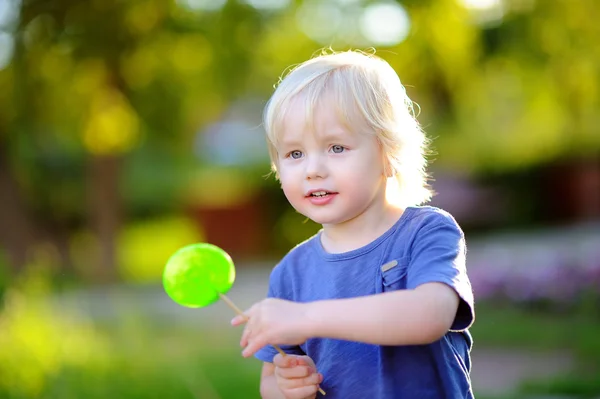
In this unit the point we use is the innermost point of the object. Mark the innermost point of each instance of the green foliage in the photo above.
(293, 228)
(145, 246)
(137, 81)
(51, 351)
(4, 276)
(39, 342)
(515, 93)
(575, 330)
(581, 385)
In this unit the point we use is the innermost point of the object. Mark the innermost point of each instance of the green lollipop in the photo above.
(198, 275)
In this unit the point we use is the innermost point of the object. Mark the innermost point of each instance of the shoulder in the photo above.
(296, 254)
(424, 218)
(288, 266)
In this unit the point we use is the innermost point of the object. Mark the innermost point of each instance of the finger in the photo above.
(242, 318)
(301, 392)
(253, 345)
(312, 379)
(285, 361)
(246, 335)
(307, 360)
(294, 372)
(239, 319)
(292, 383)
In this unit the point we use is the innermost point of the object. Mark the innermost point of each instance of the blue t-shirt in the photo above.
(424, 245)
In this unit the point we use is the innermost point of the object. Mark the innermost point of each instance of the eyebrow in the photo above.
(288, 143)
(336, 135)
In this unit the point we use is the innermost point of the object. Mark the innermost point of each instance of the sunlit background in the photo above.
(131, 128)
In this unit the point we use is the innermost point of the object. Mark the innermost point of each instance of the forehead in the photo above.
(320, 119)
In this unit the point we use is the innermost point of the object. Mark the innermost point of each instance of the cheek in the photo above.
(292, 192)
(379, 162)
(371, 165)
(286, 187)
(289, 183)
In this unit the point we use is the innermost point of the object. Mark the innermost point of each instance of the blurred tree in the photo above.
(84, 83)
(500, 84)
(102, 100)
(517, 90)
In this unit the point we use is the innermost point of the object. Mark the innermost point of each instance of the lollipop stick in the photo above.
(230, 303)
(237, 310)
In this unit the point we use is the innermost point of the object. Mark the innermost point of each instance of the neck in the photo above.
(362, 229)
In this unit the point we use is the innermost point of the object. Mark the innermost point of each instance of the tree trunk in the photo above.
(17, 232)
(104, 210)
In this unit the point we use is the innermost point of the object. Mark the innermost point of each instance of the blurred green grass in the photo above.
(505, 324)
(49, 352)
(576, 330)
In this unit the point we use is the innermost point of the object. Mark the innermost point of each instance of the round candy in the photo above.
(196, 274)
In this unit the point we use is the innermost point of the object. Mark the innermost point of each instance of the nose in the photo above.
(316, 167)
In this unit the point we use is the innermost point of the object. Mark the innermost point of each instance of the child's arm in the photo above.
(404, 317)
(420, 314)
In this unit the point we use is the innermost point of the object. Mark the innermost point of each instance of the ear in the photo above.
(390, 171)
(388, 168)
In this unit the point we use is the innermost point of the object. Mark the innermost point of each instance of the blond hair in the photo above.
(368, 98)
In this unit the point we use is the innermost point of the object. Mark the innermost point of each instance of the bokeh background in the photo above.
(130, 128)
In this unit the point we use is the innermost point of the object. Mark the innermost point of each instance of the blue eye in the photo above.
(296, 154)
(337, 149)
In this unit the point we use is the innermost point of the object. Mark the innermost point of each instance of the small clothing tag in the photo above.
(389, 265)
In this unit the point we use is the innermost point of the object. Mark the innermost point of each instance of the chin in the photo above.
(326, 216)
(327, 220)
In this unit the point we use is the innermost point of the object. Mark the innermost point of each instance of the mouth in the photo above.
(319, 193)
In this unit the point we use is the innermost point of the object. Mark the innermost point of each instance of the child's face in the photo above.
(328, 173)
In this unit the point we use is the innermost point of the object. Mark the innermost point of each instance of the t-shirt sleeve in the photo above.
(267, 353)
(439, 255)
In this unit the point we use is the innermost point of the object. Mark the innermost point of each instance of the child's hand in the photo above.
(273, 321)
(297, 376)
